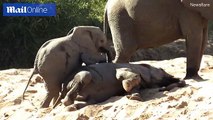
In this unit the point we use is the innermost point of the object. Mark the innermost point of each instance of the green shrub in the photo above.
(21, 37)
(211, 26)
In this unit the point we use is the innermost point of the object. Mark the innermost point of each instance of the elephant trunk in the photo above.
(108, 53)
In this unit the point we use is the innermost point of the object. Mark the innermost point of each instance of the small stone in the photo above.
(182, 105)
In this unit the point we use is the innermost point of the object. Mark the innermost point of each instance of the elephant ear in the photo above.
(90, 34)
(97, 36)
(71, 31)
(93, 38)
(83, 35)
(146, 77)
(98, 41)
(144, 73)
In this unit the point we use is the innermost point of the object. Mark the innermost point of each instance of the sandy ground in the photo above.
(193, 102)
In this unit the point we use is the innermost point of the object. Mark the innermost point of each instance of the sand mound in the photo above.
(195, 101)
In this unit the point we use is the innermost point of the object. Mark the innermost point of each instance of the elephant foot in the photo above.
(44, 105)
(71, 108)
(134, 96)
(173, 85)
(46, 102)
(66, 101)
(192, 73)
(194, 77)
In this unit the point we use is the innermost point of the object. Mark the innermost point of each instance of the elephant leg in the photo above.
(56, 94)
(122, 30)
(194, 50)
(193, 73)
(204, 42)
(47, 100)
(192, 29)
(62, 94)
(53, 90)
(123, 49)
(79, 81)
(80, 105)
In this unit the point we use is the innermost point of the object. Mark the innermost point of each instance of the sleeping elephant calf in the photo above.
(61, 56)
(96, 83)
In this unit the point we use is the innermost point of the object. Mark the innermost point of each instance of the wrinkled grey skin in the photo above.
(138, 24)
(61, 56)
(96, 83)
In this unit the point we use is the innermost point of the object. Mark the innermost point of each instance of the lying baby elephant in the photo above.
(96, 83)
(58, 57)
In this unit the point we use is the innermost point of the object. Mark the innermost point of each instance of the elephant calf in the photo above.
(96, 83)
(58, 57)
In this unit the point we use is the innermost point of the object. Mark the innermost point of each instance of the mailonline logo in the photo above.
(29, 9)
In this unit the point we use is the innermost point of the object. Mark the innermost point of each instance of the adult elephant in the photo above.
(138, 24)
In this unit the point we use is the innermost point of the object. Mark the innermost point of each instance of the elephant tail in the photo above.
(32, 74)
(35, 68)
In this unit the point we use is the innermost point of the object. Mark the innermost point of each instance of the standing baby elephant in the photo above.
(150, 23)
(58, 57)
(96, 83)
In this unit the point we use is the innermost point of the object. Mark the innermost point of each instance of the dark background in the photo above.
(21, 37)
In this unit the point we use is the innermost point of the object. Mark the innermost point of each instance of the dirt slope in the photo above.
(195, 101)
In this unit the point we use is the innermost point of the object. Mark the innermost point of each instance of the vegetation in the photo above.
(21, 37)
(211, 26)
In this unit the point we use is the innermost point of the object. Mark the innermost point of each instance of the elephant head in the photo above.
(203, 7)
(92, 38)
(154, 77)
